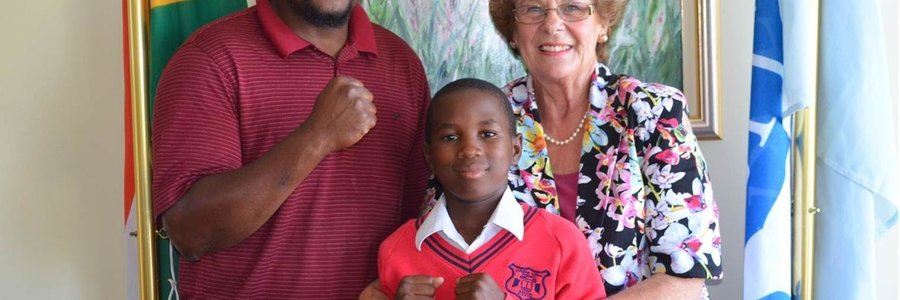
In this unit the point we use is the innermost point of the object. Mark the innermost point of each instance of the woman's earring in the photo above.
(604, 38)
(512, 44)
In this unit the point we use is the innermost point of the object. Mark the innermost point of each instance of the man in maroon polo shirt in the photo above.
(287, 143)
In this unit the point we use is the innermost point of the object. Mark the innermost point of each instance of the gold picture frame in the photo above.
(702, 81)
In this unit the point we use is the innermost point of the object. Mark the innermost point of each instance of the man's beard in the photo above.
(316, 17)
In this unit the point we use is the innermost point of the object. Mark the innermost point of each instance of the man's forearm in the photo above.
(662, 286)
(221, 210)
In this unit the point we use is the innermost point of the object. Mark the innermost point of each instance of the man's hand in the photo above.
(373, 292)
(418, 287)
(343, 113)
(221, 210)
(478, 286)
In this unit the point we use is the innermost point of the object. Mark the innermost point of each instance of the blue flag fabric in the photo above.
(856, 165)
(767, 253)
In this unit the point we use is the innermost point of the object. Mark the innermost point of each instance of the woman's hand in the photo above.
(663, 286)
(478, 286)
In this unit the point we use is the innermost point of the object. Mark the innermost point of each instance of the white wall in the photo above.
(728, 158)
(61, 150)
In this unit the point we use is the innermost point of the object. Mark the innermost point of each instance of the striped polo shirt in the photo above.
(238, 87)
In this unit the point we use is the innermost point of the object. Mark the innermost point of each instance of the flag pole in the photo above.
(137, 41)
(805, 209)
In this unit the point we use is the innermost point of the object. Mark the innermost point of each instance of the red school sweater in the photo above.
(552, 261)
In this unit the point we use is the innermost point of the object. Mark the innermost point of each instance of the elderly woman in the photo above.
(614, 155)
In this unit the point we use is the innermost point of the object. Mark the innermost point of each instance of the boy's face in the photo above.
(470, 148)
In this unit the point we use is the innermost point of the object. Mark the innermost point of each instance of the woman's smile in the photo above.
(554, 48)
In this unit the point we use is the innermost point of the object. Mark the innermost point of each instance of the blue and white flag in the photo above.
(783, 81)
(856, 161)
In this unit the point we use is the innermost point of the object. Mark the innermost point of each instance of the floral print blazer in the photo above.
(644, 204)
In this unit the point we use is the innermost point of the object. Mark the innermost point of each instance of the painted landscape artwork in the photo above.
(455, 39)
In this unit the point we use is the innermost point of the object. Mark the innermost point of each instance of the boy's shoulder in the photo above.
(550, 225)
(406, 233)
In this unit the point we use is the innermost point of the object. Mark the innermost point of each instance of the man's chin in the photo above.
(329, 21)
(321, 17)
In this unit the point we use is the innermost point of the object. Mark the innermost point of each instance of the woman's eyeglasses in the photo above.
(571, 12)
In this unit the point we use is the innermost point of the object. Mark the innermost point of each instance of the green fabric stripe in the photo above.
(170, 25)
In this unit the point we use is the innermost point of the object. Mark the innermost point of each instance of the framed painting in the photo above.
(672, 42)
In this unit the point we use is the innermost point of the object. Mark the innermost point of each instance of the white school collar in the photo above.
(508, 215)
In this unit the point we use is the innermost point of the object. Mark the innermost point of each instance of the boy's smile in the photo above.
(472, 170)
(471, 146)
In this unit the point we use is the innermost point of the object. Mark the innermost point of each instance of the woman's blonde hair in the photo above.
(609, 11)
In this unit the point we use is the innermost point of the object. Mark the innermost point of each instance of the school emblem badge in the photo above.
(527, 283)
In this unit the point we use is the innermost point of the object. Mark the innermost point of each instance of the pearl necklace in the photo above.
(571, 137)
(547, 137)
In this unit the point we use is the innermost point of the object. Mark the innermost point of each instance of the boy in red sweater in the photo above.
(478, 242)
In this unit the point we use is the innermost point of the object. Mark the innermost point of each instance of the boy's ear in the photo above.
(427, 150)
(517, 148)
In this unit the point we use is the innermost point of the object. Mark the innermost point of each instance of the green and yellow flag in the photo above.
(170, 23)
(173, 21)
